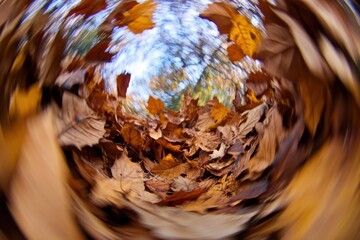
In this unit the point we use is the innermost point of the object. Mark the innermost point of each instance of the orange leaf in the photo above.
(88, 8)
(131, 135)
(155, 106)
(235, 53)
(123, 81)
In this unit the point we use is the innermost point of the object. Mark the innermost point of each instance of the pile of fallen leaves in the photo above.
(201, 159)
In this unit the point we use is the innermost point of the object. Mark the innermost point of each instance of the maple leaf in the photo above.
(139, 18)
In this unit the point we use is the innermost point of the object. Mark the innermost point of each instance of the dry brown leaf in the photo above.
(181, 196)
(169, 167)
(155, 134)
(183, 184)
(273, 134)
(221, 14)
(38, 190)
(206, 141)
(128, 179)
(160, 187)
(313, 93)
(131, 135)
(98, 53)
(88, 8)
(122, 82)
(155, 106)
(205, 121)
(76, 123)
(253, 117)
(172, 147)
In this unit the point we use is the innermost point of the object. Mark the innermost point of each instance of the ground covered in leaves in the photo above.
(281, 162)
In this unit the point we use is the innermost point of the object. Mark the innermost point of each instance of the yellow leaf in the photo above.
(24, 103)
(244, 34)
(228, 21)
(155, 106)
(139, 18)
(218, 112)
